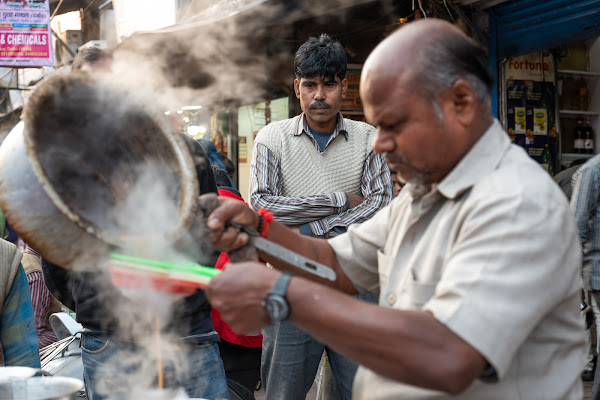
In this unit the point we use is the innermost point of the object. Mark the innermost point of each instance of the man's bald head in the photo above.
(432, 54)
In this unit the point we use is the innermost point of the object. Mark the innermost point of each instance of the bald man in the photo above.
(478, 277)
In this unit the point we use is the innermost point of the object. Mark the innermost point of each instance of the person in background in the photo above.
(92, 59)
(214, 158)
(479, 281)
(240, 353)
(18, 337)
(102, 338)
(315, 172)
(229, 167)
(44, 304)
(565, 180)
(585, 203)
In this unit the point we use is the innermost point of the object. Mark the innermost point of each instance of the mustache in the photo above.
(393, 158)
(319, 104)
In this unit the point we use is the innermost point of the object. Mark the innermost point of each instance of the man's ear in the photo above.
(464, 101)
(344, 87)
(297, 88)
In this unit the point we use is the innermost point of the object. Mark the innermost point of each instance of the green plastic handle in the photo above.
(187, 267)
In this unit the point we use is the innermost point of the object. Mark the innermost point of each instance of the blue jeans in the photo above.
(123, 370)
(290, 360)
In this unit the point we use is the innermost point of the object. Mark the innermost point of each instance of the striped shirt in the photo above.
(40, 300)
(315, 211)
(17, 326)
(585, 203)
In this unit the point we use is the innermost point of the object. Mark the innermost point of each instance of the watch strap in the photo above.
(281, 284)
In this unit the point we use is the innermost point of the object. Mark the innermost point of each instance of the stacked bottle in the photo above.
(588, 138)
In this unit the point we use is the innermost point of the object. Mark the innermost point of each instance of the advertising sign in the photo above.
(351, 101)
(531, 114)
(25, 36)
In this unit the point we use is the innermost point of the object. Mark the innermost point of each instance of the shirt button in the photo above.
(391, 299)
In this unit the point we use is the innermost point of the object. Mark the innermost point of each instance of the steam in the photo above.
(114, 168)
(212, 61)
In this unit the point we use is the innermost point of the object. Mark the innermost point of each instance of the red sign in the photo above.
(25, 36)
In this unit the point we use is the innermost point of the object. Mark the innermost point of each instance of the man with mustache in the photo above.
(477, 271)
(315, 172)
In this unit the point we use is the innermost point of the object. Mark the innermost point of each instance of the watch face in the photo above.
(277, 307)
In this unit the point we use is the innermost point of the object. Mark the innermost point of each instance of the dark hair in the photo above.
(443, 62)
(228, 164)
(578, 161)
(221, 177)
(322, 57)
(90, 55)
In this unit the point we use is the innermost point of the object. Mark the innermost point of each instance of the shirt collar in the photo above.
(302, 126)
(481, 160)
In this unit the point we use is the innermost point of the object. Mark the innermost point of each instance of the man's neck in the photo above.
(328, 126)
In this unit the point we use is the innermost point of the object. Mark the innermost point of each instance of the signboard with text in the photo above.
(530, 102)
(25, 35)
(351, 102)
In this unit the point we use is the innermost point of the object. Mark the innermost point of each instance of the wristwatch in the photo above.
(276, 304)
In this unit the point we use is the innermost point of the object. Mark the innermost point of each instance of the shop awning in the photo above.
(526, 26)
(479, 4)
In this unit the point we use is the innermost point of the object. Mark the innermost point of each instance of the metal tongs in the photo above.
(285, 255)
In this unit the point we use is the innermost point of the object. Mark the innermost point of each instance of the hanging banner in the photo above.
(530, 101)
(25, 35)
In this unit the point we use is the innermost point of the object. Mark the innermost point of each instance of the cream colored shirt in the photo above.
(492, 252)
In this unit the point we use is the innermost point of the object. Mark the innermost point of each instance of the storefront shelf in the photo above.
(578, 72)
(575, 113)
(567, 158)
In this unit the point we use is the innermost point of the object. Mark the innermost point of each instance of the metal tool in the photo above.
(286, 255)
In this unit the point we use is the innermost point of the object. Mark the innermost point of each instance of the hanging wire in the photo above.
(447, 9)
(89, 5)
(6, 73)
(423, 11)
(56, 9)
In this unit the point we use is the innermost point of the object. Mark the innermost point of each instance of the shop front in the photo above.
(546, 56)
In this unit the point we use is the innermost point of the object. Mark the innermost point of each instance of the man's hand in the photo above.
(238, 293)
(354, 200)
(221, 236)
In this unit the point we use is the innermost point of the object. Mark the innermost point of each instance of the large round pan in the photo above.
(91, 167)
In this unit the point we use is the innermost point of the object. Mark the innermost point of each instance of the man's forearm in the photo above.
(294, 211)
(408, 346)
(313, 248)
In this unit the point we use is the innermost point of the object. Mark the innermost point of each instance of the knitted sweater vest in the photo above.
(305, 171)
(10, 262)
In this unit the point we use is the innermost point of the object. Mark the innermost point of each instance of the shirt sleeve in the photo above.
(266, 189)
(376, 187)
(358, 250)
(18, 336)
(584, 200)
(40, 301)
(508, 247)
